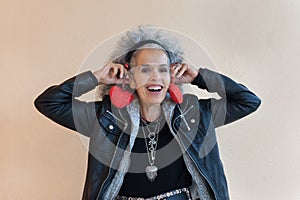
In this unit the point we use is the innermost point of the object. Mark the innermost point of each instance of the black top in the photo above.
(172, 172)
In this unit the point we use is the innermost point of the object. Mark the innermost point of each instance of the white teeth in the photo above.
(154, 88)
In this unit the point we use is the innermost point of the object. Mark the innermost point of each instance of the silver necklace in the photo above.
(151, 145)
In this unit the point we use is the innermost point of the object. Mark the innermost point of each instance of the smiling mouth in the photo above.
(155, 88)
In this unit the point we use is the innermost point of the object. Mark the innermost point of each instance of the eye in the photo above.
(164, 69)
(145, 69)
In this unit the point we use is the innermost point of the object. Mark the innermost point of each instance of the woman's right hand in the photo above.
(112, 73)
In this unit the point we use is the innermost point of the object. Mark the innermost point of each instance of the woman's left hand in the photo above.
(182, 73)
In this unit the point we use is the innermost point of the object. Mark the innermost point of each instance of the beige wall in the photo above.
(255, 42)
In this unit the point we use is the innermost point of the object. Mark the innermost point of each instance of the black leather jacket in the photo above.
(112, 130)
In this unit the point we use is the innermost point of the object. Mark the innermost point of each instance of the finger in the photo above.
(106, 70)
(175, 68)
(121, 81)
(181, 70)
(173, 74)
(173, 71)
(121, 70)
(114, 70)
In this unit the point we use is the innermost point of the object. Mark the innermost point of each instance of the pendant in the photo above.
(151, 172)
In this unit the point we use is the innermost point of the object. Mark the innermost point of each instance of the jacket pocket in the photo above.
(187, 121)
(112, 124)
(106, 134)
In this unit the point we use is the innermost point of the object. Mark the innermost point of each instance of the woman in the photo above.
(147, 140)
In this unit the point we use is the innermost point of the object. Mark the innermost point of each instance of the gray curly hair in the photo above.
(159, 37)
(140, 38)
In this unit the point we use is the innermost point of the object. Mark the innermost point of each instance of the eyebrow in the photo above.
(149, 65)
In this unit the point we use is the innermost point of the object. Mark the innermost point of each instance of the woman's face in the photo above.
(151, 76)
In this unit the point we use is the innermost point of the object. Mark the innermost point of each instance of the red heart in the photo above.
(119, 97)
(175, 93)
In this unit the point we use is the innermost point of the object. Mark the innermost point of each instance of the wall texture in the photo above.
(255, 42)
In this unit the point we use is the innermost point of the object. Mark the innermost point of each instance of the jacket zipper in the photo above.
(105, 181)
(182, 116)
(115, 117)
(198, 168)
(203, 175)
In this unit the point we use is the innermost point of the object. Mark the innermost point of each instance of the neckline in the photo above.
(144, 122)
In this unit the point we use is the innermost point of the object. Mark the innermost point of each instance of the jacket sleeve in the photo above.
(236, 100)
(59, 103)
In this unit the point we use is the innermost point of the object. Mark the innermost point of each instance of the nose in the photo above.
(155, 75)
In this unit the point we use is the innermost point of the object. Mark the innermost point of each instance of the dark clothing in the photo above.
(172, 173)
(192, 124)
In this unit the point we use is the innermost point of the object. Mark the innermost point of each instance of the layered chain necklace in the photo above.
(151, 141)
